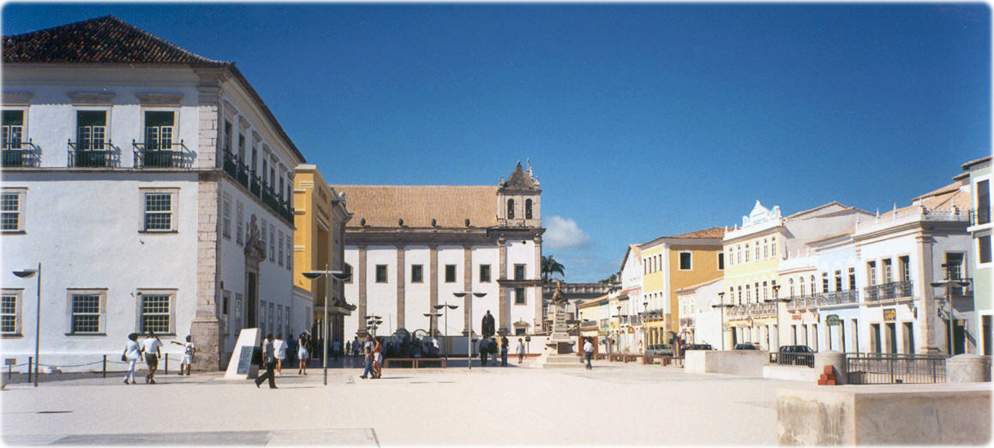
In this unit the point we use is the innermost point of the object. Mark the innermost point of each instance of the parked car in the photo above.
(698, 347)
(746, 346)
(660, 350)
(798, 355)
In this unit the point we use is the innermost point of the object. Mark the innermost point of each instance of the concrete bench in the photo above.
(415, 362)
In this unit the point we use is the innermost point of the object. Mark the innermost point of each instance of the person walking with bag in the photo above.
(132, 353)
(588, 351)
(151, 347)
(269, 356)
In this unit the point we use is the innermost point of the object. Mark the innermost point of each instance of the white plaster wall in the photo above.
(351, 289)
(85, 230)
(417, 296)
(381, 298)
(485, 255)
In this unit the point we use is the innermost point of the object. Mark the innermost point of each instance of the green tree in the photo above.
(550, 266)
(612, 279)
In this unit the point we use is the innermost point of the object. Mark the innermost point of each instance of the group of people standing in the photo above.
(151, 349)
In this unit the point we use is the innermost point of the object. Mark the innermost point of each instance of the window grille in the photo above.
(155, 313)
(85, 313)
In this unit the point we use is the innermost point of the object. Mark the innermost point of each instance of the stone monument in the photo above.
(241, 367)
(559, 349)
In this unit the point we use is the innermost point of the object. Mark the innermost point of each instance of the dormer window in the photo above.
(528, 209)
(510, 209)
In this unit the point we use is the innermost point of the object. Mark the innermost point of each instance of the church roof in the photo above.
(449, 206)
(102, 40)
(521, 180)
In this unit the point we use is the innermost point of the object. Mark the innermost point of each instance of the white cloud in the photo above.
(563, 233)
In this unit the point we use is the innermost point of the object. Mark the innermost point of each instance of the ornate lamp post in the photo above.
(722, 305)
(329, 276)
(446, 306)
(776, 299)
(645, 331)
(469, 335)
(28, 273)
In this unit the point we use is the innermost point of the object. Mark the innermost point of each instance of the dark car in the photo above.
(746, 346)
(798, 355)
(697, 347)
(660, 350)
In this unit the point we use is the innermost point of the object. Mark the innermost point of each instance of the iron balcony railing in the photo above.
(241, 174)
(94, 154)
(174, 155)
(885, 291)
(21, 155)
(892, 368)
(838, 298)
(686, 321)
(980, 216)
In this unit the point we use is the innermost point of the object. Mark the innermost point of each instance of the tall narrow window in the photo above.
(417, 273)
(904, 268)
(773, 246)
(686, 261)
(838, 280)
(241, 149)
(279, 257)
(747, 252)
(158, 130)
(519, 272)
(813, 290)
(159, 210)
(272, 243)
(510, 209)
(954, 265)
(11, 210)
(871, 273)
(984, 249)
(791, 285)
(13, 129)
(484, 273)
(852, 279)
(239, 218)
(226, 217)
(983, 202)
(450, 273)
(528, 209)
(227, 137)
(824, 282)
(289, 252)
(519, 296)
(381, 273)
(766, 249)
(721, 261)
(91, 129)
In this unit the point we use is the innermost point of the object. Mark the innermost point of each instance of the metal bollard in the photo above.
(166, 372)
(105, 366)
(30, 363)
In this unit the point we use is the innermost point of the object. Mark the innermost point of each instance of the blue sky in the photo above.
(640, 120)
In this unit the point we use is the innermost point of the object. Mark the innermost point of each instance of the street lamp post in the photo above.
(328, 276)
(431, 328)
(645, 332)
(949, 284)
(373, 322)
(469, 335)
(28, 273)
(721, 305)
(446, 306)
(776, 299)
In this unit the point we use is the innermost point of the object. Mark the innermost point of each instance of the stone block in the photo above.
(967, 369)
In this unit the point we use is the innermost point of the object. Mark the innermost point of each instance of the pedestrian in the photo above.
(484, 349)
(269, 357)
(367, 349)
(493, 350)
(335, 347)
(348, 347)
(521, 350)
(302, 354)
(378, 358)
(132, 353)
(355, 347)
(279, 346)
(588, 350)
(188, 350)
(150, 346)
(503, 351)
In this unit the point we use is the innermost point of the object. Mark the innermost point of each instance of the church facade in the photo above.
(411, 248)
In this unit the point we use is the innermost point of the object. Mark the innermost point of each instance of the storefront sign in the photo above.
(796, 317)
(890, 315)
(832, 319)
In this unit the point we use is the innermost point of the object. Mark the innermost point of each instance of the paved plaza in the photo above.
(613, 404)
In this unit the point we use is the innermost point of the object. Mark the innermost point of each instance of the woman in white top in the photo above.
(132, 354)
(279, 345)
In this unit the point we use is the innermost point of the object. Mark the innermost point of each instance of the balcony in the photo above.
(980, 216)
(241, 174)
(838, 298)
(887, 291)
(174, 155)
(94, 154)
(21, 155)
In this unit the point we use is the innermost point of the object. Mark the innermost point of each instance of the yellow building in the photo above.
(320, 218)
(669, 264)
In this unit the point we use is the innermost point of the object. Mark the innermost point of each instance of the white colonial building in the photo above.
(414, 247)
(153, 186)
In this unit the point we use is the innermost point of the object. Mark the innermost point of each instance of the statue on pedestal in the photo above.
(560, 340)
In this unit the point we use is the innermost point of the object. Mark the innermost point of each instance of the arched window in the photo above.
(528, 209)
(747, 252)
(813, 290)
(801, 282)
(510, 209)
(792, 287)
(766, 249)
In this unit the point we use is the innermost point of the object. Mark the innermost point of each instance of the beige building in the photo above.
(320, 218)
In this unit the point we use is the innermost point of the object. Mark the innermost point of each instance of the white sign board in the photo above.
(240, 366)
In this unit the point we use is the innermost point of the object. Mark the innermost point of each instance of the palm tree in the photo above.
(612, 279)
(551, 266)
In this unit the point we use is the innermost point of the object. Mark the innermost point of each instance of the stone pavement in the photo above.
(613, 404)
